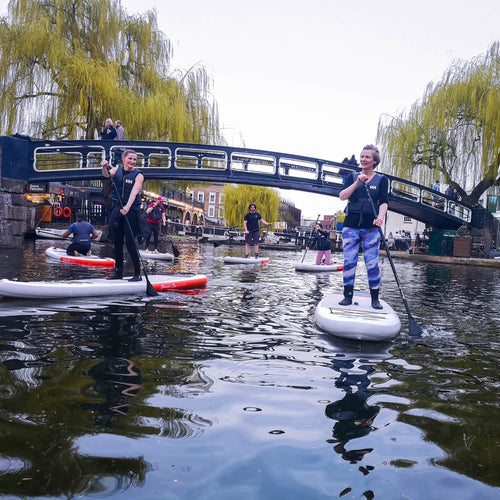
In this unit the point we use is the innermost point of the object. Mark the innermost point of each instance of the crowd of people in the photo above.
(402, 240)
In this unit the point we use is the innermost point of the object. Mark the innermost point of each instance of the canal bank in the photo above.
(462, 261)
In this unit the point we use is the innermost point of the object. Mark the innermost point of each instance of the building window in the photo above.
(212, 197)
(406, 220)
(211, 211)
(221, 213)
(201, 196)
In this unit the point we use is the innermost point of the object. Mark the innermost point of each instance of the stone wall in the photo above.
(15, 216)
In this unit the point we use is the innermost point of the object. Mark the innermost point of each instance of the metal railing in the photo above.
(44, 161)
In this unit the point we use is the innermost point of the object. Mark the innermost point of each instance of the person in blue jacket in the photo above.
(321, 241)
(361, 226)
(83, 233)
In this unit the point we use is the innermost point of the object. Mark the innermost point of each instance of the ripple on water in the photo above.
(239, 394)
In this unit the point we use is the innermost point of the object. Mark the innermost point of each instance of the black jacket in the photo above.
(320, 240)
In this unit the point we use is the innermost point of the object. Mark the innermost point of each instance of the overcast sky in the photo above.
(313, 77)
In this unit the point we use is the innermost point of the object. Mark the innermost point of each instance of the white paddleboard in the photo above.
(359, 321)
(315, 268)
(84, 260)
(243, 260)
(97, 287)
(146, 254)
(57, 234)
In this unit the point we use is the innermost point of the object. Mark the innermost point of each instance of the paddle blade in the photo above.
(150, 289)
(414, 328)
(175, 250)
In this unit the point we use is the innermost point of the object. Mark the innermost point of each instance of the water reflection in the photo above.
(353, 414)
(117, 378)
(234, 391)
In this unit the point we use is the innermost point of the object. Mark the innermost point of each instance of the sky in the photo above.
(313, 77)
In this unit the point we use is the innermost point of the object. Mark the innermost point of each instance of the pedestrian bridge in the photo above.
(37, 161)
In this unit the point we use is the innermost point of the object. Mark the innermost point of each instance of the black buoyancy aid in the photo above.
(124, 182)
(359, 202)
(82, 231)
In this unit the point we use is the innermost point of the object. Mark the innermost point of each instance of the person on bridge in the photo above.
(128, 180)
(108, 131)
(83, 233)
(360, 224)
(251, 223)
(120, 131)
(120, 136)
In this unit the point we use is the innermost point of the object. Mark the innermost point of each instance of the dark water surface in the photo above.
(233, 393)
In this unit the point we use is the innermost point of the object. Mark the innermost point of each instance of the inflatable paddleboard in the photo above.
(359, 321)
(146, 254)
(97, 287)
(57, 234)
(249, 260)
(84, 260)
(315, 268)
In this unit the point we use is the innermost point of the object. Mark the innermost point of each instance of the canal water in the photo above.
(232, 392)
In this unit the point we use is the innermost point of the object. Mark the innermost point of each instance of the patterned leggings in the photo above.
(370, 240)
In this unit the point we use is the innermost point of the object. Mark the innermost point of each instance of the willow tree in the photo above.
(237, 199)
(67, 65)
(453, 132)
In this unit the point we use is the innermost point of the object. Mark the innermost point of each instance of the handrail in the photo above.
(46, 161)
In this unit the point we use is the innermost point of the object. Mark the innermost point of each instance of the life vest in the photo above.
(81, 232)
(124, 182)
(157, 213)
(359, 202)
(323, 240)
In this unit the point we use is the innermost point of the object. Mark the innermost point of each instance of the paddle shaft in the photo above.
(150, 290)
(413, 324)
(312, 230)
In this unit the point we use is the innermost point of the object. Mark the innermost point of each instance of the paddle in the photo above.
(150, 290)
(175, 249)
(218, 243)
(414, 327)
(312, 230)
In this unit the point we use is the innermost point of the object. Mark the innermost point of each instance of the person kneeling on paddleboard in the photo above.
(83, 234)
(361, 226)
(320, 239)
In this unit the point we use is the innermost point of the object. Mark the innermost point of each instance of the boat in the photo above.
(98, 287)
(53, 233)
(244, 260)
(318, 268)
(84, 260)
(146, 254)
(359, 321)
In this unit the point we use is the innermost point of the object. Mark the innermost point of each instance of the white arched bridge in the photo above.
(38, 161)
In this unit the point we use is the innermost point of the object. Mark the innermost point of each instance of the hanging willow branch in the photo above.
(237, 199)
(453, 132)
(67, 65)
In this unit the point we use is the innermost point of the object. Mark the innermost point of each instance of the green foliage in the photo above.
(67, 65)
(237, 199)
(453, 132)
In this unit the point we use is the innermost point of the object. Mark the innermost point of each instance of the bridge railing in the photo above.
(46, 161)
(75, 157)
(430, 198)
